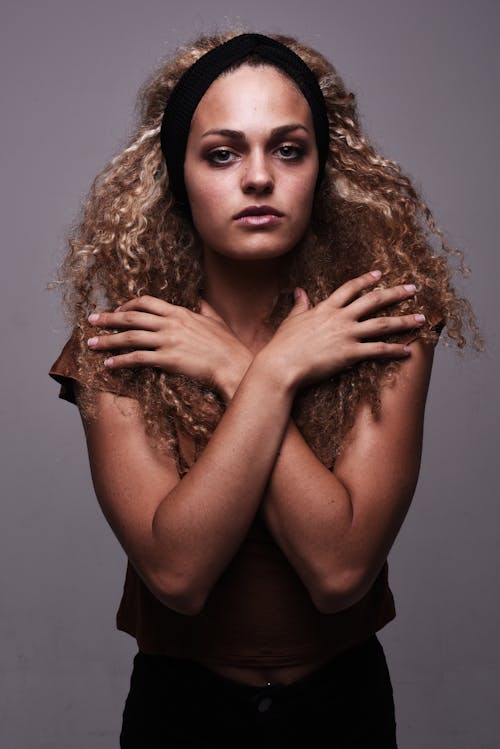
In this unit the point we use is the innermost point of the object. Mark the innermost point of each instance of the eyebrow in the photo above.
(240, 135)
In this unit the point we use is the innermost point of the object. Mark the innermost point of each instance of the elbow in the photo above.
(340, 591)
(176, 594)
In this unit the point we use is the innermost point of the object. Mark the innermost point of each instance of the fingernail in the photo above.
(420, 318)
(376, 273)
(93, 317)
(108, 362)
(410, 287)
(407, 349)
(92, 341)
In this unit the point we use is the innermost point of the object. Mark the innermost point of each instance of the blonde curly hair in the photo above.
(131, 240)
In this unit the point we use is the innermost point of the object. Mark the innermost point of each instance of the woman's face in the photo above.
(251, 164)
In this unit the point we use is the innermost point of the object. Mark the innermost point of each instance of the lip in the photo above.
(259, 221)
(258, 210)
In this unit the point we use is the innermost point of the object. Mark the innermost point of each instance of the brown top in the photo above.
(259, 613)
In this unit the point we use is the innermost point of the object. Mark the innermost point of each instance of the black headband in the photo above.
(193, 84)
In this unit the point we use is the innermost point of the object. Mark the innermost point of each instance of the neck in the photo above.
(243, 293)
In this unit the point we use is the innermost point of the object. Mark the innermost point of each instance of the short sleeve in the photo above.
(66, 372)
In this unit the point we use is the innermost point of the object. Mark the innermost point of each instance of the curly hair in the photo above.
(131, 240)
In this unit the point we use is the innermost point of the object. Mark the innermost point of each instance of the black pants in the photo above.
(346, 704)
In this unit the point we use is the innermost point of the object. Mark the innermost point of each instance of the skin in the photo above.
(336, 528)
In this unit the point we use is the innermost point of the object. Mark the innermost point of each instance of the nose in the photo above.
(257, 176)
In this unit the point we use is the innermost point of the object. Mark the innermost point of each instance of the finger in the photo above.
(147, 303)
(301, 302)
(379, 298)
(126, 319)
(351, 289)
(380, 350)
(380, 326)
(132, 360)
(208, 311)
(131, 339)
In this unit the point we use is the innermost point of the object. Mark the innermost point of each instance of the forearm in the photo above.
(201, 523)
(307, 509)
(309, 513)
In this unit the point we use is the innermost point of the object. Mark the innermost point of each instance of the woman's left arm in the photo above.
(337, 528)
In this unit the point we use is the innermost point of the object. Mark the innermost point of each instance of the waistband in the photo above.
(344, 667)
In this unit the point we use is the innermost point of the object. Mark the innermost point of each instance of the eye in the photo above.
(220, 156)
(289, 152)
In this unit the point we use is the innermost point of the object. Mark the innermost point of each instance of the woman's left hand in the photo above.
(156, 333)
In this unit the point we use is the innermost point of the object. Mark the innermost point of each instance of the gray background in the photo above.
(426, 77)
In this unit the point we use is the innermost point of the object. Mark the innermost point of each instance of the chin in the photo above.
(258, 253)
(263, 246)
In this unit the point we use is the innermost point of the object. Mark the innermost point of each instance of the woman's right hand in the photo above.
(314, 343)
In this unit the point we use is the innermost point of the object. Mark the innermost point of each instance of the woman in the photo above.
(255, 301)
